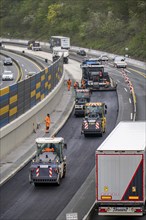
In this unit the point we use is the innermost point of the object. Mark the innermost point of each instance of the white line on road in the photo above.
(22, 64)
(125, 89)
(128, 71)
(25, 70)
(131, 116)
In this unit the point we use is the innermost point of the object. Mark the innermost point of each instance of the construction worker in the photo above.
(83, 84)
(49, 149)
(68, 84)
(48, 122)
(76, 85)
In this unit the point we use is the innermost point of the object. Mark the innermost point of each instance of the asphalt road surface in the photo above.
(20, 200)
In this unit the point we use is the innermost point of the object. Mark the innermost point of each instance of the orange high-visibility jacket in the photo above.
(48, 121)
(69, 82)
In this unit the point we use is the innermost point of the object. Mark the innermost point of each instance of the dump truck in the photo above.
(120, 171)
(58, 52)
(59, 41)
(95, 77)
(95, 120)
(82, 96)
(49, 163)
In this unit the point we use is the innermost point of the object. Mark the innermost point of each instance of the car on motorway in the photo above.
(8, 61)
(7, 75)
(103, 57)
(81, 52)
(120, 62)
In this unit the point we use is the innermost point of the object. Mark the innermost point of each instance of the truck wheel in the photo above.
(30, 180)
(58, 181)
(101, 134)
(64, 172)
(36, 184)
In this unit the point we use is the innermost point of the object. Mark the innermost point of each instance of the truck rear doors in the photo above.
(120, 178)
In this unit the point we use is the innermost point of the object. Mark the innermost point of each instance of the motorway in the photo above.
(20, 200)
(12, 68)
(26, 65)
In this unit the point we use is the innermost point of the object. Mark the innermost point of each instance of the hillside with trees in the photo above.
(107, 25)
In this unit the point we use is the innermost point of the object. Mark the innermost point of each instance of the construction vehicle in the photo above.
(59, 41)
(82, 96)
(58, 52)
(95, 120)
(33, 45)
(120, 171)
(49, 163)
(95, 76)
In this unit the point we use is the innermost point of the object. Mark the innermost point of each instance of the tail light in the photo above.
(55, 170)
(139, 210)
(102, 210)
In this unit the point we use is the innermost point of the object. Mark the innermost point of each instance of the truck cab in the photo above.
(33, 45)
(49, 163)
(58, 52)
(36, 46)
(82, 96)
(95, 120)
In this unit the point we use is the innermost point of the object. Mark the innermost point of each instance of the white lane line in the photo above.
(25, 70)
(131, 116)
(22, 64)
(125, 89)
(128, 71)
(130, 100)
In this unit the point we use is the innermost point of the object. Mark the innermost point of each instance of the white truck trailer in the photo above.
(120, 171)
(60, 41)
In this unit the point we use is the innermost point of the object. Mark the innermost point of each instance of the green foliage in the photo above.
(108, 25)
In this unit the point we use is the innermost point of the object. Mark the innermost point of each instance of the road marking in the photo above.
(22, 64)
(18, 75)
(130, 100)
(125, 89)
(131, 116)
(128, 71)
(140, 73)
(25, 70)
